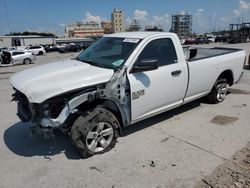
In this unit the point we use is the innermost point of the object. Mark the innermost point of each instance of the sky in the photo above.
(53, 15)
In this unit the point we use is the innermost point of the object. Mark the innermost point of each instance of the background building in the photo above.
(182, 24)
(153, 28)
(134, 26)
(117, 19)
(83, 29)
(25, 40)
(107, 27)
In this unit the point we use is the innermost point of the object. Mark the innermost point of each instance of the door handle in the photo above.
(176, 73)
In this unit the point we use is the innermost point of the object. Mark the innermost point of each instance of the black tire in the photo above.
(218, 92)
(27, 61)
(40, 53)
(88, 136)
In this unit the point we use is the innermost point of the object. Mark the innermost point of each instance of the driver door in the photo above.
(157, 90)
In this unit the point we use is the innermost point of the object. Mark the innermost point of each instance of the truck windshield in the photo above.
(109, 52)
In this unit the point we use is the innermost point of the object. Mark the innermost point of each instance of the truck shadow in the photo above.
(160, 118)
(18, 140)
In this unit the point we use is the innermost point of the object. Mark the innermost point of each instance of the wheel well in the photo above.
(228, 75)
(108, 104)
(27, 58)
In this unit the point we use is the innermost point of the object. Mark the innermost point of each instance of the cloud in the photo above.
(237, 13)
(243, 10)
(244, 5)
(164, 18)
(61, 24)
(163, 21)
(200, 22)
(182, 12)
(91, 18)
(200, 10)
(224, 19)
(140, 15)
(198, 17)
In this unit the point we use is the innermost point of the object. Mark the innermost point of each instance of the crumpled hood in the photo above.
(45, 81)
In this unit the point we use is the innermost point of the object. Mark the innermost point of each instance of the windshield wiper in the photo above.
(84, 60)
(87, 61)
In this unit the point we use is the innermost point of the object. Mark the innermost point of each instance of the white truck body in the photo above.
(134, 95)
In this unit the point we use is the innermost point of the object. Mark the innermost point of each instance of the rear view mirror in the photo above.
(145, 65)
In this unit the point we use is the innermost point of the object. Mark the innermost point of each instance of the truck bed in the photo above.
(198, 53)
(206, 64)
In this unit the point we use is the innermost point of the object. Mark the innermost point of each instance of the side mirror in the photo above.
(145, 65)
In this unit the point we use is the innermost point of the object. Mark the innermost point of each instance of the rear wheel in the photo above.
(95, 132)
(219, 92)
(40, 53)
(27, 61)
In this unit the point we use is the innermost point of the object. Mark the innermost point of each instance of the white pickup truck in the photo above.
(121, 79)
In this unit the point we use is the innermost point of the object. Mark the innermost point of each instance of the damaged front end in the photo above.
(52, 114)
(31, 113)
(60, 112)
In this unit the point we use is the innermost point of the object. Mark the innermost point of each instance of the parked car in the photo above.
(69, 48)
(14, 57)
(221, 38)
(211, 38)
(2, 49)
(50, 48)
(190, 41)
(202, 40)
(37, 50)
(85, 45)
(121, 79)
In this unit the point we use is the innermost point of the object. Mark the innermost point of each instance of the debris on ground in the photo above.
(95, 168)
(152, 164)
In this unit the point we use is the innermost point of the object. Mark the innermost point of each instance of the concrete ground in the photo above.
(174, 149)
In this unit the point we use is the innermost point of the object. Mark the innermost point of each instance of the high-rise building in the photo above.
(182, 24)
(117, 19)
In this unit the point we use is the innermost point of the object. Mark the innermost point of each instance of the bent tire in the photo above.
(219, 92)
(95, 132)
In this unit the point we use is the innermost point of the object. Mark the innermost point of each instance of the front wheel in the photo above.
(219, 92)
(95, 132)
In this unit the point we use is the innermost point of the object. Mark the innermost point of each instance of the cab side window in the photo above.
(162, 50)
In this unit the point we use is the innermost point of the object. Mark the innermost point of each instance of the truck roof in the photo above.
(137, 35)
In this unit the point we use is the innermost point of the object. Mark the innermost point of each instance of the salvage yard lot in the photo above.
(175, 149)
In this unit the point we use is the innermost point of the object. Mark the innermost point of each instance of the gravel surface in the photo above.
(234, 173)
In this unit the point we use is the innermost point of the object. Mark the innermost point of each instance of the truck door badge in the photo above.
(137, 94)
